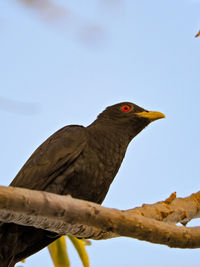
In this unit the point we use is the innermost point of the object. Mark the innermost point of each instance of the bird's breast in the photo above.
(95, 169)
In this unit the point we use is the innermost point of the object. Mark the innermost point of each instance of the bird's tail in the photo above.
(19, 242)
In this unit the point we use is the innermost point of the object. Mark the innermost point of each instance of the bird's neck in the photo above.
(113, 130)
(109, 135)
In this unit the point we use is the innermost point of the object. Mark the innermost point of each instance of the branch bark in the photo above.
(65, 215)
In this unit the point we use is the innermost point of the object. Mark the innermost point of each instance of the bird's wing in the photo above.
(51, 158)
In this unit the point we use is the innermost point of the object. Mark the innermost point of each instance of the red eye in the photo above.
(125, 108)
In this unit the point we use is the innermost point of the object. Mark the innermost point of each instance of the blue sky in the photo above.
(63, 62)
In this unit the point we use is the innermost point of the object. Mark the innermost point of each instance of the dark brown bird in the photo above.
(76, 160)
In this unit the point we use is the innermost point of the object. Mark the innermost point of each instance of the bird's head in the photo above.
(128, 117)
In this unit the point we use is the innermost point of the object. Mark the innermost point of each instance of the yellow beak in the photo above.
(151, 115)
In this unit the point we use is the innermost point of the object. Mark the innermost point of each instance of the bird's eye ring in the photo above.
(125, 108)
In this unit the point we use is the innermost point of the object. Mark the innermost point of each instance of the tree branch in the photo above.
(66, 215)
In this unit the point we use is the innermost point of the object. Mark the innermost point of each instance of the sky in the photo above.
(63, 62)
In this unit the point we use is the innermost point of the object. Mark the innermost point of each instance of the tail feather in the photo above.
(19, 242)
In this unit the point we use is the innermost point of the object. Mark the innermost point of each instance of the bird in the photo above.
(78, 161)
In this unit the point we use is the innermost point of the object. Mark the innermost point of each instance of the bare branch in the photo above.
(171, 210)
(66, 215)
